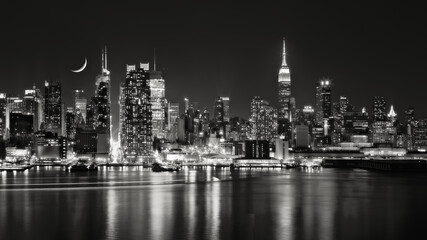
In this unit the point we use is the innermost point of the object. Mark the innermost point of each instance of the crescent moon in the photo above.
(82, 68)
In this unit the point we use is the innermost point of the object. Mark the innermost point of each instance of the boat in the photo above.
(290, 165)
(162, 167)
(82, 165)
(15, 167)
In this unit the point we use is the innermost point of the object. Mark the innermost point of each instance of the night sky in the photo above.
(220, 48)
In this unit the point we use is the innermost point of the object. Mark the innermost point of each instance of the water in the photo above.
(135, 203)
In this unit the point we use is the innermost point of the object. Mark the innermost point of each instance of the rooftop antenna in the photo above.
(154, 59)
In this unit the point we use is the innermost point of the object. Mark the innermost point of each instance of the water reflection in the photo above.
(209, 203)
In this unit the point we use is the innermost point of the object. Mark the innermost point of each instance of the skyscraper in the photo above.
(284, 97)
(218, 116)
(263, 120)
(379, 109)
(158, 102)
(323, 101)
(53, 107)
(173, 114)
(137, 127)
(33, 104)
(102, 103)
(80, 108)
(3, 105)
(226, 108)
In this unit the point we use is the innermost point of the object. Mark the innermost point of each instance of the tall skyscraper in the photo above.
(80, 108)
(33, 105)
(53, 107)
(186, 104)
(218, 116)
(263, 120)
(173, 114)
(3, 105)
(284, 97)
(158, 102)
(137, 139)
(323, 101)
(379, 109)
(226, 107)
(102, 108)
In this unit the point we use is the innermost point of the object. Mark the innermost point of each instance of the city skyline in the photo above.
(357, 58)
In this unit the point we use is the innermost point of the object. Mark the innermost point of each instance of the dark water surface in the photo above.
(207, 203)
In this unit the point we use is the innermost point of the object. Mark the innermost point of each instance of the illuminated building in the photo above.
(420, 135)
(263, 120)
(3, 106)
(392, 116)
(218, 117)
(284, 97)
(173, 114)
(50, 147)
(33, 104)
(257, 149)
(323, 101)
(379, 109)
(383, 133)
(53, 108)
(226, 108)
(186, 104)
(355, 124)
(137, 139)
(102, 103)
(80, 108)
(90, 114)
(69, 123)
(158, 103)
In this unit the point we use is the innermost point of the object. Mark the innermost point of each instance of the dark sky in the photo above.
(223, 48)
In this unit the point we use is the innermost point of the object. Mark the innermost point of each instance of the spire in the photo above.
(105, 57)
(391, 114)
(102, 60)
(284, 54)
(154, 59)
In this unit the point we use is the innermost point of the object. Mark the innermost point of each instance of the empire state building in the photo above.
(284, 111)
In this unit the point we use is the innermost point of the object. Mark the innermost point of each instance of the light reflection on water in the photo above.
(210, 203)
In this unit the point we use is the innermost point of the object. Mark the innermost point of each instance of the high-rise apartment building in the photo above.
(136, 129)
(263, 120)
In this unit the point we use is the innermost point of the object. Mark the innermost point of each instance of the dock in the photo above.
(390, 165)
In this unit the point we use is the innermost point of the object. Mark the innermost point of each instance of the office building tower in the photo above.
(70, 127)
(53, 108)
(218, 113)
(323, 102)
(137, 139)
(379, 109)
(173, 114)
(186, 104)
(80, 108)
(284, 97)
(102, 103)
(3, 106)
(158, 102)
(226, 108)
(33, 104)
(90, 114)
